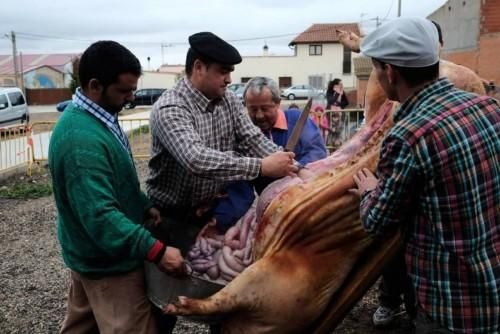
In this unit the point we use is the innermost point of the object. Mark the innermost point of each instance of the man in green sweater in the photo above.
(100, 205)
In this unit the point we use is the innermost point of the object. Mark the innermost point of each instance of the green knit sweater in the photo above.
(99, 201)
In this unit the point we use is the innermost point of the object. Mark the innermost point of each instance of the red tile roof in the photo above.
(32, 61)
(324, 33)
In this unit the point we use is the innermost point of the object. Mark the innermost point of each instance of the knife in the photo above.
(299, 126)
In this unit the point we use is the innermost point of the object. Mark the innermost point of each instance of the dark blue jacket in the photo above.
(240, 194)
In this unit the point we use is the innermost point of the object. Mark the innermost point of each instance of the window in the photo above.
(315, 50)
(285, 82)
(16, 99)
(3, 102)
(141, 92)
(346, 63)
(316, 81)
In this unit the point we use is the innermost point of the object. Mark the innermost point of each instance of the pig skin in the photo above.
(312, 258)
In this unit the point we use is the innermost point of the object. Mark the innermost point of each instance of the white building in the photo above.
(319, 57)
(152, 79)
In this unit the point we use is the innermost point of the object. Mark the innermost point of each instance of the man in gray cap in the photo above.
(202, 138)
(438, 179)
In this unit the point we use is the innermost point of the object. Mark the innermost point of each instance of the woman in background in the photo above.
(336, 100)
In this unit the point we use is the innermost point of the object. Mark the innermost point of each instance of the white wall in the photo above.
(156, 80)
(299, 67)
(460, 23)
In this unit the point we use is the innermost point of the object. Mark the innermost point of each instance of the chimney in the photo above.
(265, 50)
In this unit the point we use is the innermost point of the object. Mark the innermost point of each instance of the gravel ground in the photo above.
(33, 279)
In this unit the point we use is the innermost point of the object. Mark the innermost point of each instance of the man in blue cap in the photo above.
(438, 180)
(202, 138)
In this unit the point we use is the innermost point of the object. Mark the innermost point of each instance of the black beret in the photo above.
(209, 45)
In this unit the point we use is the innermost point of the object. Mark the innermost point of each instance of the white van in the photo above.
(13, 107)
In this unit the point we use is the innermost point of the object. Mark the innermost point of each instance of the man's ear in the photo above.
(198, 65)
(392, 74)
(95, 87)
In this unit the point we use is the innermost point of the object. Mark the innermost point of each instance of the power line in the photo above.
(31, 36)
(389, 11)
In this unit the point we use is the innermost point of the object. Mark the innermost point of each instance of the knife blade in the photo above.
(299, 126)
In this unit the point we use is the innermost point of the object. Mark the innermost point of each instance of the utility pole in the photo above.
(399, 8)
(14, 56)
(378, 21)
(22, 73)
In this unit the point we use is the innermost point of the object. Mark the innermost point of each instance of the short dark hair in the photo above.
(332, 83)
(191, 58)
(415, 76)
(106, 61)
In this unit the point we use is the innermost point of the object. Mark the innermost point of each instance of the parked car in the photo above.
(13, 107)
(145, 97)
(235, 86)
(302, 92)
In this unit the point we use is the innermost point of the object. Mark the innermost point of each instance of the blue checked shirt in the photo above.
(198, 146)
(108, 119)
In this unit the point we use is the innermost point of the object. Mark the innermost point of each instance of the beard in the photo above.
(108, 105)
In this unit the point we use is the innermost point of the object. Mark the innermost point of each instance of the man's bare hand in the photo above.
(365, 181)
(349, 39)
(279, 164)
(172, 262)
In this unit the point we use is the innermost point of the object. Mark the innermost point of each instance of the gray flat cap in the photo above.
(405, 42)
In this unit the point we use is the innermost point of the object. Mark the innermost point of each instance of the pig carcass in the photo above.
(311, 258)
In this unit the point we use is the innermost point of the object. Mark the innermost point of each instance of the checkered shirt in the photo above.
(108, 119)
(439, 181)
(199, 145)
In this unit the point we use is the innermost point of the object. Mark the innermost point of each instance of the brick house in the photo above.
(471, 34)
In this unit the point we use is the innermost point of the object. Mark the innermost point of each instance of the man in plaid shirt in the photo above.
(439, 181)
(202, 139)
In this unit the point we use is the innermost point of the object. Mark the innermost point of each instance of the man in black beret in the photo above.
(202, 138)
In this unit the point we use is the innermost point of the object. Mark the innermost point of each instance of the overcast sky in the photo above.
(62, 26)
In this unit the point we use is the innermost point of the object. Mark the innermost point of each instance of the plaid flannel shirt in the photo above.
(199, 145)
(439, 180)
(109, 120)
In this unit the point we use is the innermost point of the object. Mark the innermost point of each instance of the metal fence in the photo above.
(21, 145)
(29, 145)
(337, 127)
(14, 148)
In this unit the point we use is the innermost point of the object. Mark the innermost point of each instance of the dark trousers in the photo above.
(177, 229)
(395, 282)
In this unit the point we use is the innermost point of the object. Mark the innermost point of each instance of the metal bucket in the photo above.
(163, 289)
